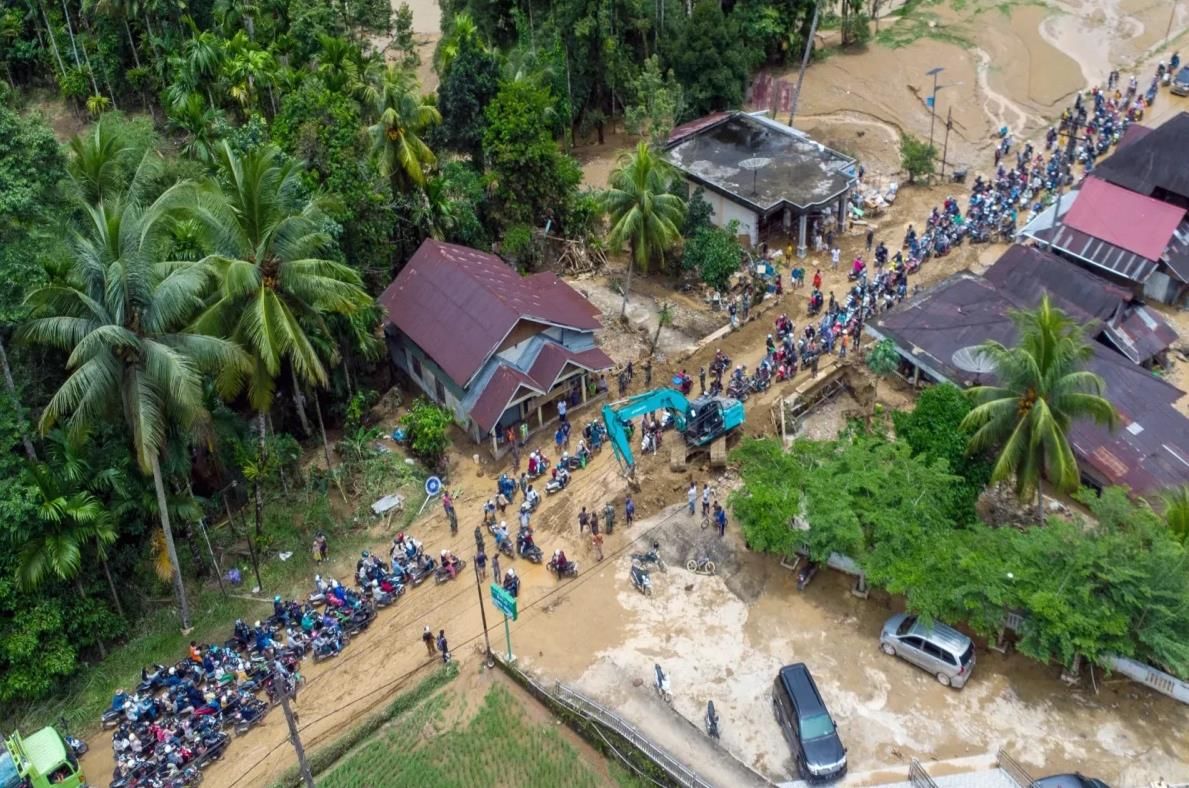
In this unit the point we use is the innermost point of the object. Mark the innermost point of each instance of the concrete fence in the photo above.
(1150, 677)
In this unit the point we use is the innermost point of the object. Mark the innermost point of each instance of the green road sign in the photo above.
(503, 601)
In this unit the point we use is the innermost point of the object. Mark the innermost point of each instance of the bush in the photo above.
(882, 358)
(714, 253)
(916, 157)
(427, 424)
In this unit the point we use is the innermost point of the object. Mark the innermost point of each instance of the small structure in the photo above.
(1148, 452)
(762, 174)
(492, 346)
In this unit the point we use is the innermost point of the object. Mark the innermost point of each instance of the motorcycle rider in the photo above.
(560, 561)
(532, 497)
(241, 633)
(449, 563)
(512, 583)
(500, 532)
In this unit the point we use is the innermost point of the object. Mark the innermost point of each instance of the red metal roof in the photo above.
(694, 126)
(1123, 218)
(458, 304)
(500, 390)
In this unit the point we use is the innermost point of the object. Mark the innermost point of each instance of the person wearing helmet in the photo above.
(512, 583)
(241, 633)
(278, 608)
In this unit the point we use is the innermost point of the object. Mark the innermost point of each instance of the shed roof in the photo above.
(797, 171)
(1123, 218)
(1150, 449)
(458, 304)
(1094, 251)
(1154, 163)
(1141, 334)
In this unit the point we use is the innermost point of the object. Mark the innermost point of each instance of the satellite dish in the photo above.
(972, 359)
(755, 165)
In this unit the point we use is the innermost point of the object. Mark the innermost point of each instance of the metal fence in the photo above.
(1012, 768)
(596, 712)
(918, 776)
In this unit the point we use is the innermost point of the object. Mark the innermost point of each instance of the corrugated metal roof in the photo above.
(1135, 132)
(1156, 162)
(1124, 218)
(1149, 451)
(1027, 273)
(694, 126)
(458, 304)
(1141, 335)
(1094, 251)
(1176, 257)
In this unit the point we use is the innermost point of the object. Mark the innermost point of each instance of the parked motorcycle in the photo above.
(701, 566)
(641, 581)
(805, 573)
(151, 681)
(711, 720)
(325, 648)
(661, 684)
(558, 482)
(76, 745)
(113, 715)
(652, 557)
(420, 571)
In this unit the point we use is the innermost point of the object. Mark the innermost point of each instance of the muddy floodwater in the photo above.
(724, 638)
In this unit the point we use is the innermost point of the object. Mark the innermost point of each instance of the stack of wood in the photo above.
(576, 257)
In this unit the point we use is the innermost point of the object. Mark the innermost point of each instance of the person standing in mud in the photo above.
(481, 563)
(692, 497)
(583, 520)
(629, 510)
(702, 378)
(427, 639)
(495, 568)
(608, 518)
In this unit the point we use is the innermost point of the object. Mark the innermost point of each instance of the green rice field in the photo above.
(498, 746)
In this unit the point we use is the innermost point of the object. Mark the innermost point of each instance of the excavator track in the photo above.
(718, 452)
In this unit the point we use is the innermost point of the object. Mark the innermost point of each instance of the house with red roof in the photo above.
(1127, 221)
(493, 347)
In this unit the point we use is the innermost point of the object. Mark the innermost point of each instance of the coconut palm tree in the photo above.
(643, 213)
(1041, 389)
(274, 291)
(99, 161)
(122, 316)
(463, 32)
(1176, 512)
(402, 117)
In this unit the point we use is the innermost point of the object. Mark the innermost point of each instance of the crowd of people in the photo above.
(1027, 179)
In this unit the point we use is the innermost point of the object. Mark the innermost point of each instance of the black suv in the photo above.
(807, 725)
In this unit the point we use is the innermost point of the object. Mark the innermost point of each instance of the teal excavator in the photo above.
(703, 423)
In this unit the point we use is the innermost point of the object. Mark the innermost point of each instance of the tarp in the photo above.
(1123, 218)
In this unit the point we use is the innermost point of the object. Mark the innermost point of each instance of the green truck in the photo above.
(40, 761)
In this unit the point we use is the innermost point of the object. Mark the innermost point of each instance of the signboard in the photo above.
(433, 486)
(503, 601)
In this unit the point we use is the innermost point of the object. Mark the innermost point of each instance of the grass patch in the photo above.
(498, 746)
(291, 521)
(910, 28)
(326, 758)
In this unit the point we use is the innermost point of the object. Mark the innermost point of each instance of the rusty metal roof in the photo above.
(458, 304)
(1141, 334)
(1149, 451)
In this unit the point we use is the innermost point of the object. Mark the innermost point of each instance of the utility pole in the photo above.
(933, 72)
(251, 543)
(804, 62)
(945, 146)
(1171, 15)
(483, 614)
(284, 688)
(1071, 141)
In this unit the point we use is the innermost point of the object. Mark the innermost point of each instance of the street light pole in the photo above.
(933, 72)
(1171, 14)
(804, 62)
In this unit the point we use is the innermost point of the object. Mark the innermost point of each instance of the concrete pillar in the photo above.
(786, 219)
(802, 224)
(495, 444)
(842, 203)
(540, 417)
(583, 385)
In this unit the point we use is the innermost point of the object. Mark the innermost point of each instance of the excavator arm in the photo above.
(616, 413)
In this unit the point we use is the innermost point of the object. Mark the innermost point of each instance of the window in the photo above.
(440, 390)
(817, 726)
(417, 373)
(968, 655)
(912, 640)
(932, 650)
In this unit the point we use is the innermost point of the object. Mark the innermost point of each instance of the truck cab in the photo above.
(41, 761)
